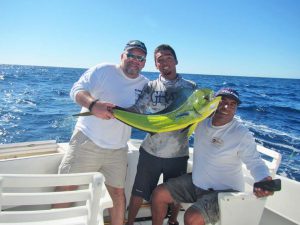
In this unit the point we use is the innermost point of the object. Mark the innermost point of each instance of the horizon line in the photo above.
(229, 75)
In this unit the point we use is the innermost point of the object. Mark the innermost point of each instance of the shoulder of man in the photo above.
(242, 129)
(187, 82)
(102, 68)
(105, 66)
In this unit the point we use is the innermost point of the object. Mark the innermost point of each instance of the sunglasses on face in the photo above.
(136, 57)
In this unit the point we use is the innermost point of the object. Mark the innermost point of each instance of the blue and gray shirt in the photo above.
(157, 95)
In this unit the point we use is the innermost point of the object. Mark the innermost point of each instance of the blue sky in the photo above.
(221, 37)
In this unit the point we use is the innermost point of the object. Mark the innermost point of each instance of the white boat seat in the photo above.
(244, 207)
(23, 195)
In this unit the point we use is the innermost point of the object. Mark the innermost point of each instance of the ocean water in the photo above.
(35, 105)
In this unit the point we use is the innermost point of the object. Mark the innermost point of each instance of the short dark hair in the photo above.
(164, 47)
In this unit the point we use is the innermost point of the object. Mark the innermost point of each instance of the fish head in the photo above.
(201, 98)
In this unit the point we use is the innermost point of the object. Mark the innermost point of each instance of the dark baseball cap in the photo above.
(229, 92)
(136, 44)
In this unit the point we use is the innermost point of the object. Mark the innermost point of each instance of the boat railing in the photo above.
(28, 149)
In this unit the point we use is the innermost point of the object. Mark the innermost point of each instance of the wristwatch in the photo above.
(92, 104)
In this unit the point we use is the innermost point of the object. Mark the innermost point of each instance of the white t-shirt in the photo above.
(218, 155)
(107, 82)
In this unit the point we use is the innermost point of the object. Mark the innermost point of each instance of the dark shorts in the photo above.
(150, 168)
(183, 190)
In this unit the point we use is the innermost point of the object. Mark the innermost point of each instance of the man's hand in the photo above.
(103, 110)
(99, 109)
(259, 192)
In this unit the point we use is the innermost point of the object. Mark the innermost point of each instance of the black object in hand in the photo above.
(269, 185)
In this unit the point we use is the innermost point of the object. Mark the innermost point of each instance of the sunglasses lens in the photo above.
(136, 57)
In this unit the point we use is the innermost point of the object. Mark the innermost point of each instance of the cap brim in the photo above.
(232, 97)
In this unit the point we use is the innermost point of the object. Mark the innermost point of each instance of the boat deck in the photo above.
(44, 157)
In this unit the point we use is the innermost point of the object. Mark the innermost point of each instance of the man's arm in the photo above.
(81, 93)
(251, 157)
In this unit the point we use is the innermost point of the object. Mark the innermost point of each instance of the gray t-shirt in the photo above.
(156, 96)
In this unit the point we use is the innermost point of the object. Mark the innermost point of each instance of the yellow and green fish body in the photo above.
(200, 105)
(196, 108)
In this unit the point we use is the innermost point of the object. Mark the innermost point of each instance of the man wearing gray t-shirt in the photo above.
(162, 153)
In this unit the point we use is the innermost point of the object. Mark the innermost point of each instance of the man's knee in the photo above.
(117, 194)
(193, 217)
(161, 195)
